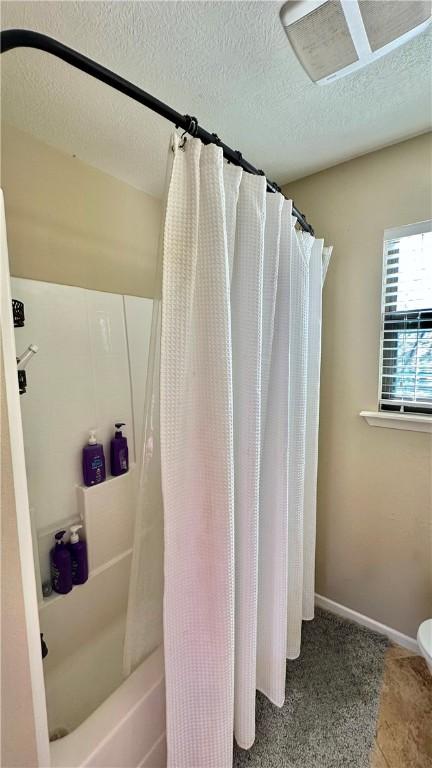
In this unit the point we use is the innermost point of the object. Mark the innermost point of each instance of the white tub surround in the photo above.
(90, 373)
(108, 513)
(80, 382)
(84, 632)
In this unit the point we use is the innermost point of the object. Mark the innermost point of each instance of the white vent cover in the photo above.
(333, 38)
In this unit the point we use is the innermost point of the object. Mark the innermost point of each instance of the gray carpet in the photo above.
(332, 696)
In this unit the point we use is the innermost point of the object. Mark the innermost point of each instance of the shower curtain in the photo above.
(239, 389)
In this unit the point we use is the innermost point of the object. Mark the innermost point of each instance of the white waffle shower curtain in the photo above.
(239, 384)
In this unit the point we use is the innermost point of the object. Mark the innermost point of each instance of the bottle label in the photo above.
(96, 470)
(54, 575)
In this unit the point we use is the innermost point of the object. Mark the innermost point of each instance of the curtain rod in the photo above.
(24, 38)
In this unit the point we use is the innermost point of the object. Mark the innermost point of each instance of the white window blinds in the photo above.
(406, 327)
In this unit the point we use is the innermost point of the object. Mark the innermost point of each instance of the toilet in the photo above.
(424, 639)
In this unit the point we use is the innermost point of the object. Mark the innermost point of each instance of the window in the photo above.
(406, 327)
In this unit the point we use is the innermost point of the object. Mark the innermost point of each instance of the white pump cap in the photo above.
(74, 533)
(92, 437)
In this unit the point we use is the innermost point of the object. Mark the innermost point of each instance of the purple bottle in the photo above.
(93, 461)
(119, 453)
(61, 566)
(78, 553)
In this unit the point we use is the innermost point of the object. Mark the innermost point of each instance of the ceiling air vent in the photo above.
(333, 38)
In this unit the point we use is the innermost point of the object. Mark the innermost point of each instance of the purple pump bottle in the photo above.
(93, 461)
(61, 566)
(78, 553)
(119, 453)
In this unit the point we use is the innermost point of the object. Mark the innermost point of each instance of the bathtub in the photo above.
(109, 721)
(126, 731)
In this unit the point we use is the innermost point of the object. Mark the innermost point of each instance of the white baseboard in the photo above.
(347, 613)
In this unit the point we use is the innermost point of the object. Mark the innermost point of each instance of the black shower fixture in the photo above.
(22, 382)
(22, 360)
(18, 313)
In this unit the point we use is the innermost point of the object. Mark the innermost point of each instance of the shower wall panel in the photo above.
(87, 368)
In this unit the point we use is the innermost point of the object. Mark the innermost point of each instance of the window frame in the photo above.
(400, 408)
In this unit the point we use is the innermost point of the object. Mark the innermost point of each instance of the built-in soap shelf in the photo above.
(46, 601)
(108, 480)
(45, 541)
(107, 512)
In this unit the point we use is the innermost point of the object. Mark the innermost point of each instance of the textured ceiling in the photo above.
(228, 63)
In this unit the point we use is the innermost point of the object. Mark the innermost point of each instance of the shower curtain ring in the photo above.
(194, 126)
(191, 128)
(191, 125)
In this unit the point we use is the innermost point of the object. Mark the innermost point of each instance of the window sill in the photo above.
(410, 421)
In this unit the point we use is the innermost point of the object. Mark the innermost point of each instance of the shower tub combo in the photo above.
(96, 717)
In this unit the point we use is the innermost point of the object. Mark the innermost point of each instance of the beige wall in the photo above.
(70, 223)
(374, 547)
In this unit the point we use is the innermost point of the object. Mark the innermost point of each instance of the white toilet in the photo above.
(424, 639)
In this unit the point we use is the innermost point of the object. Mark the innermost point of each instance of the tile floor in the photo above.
(404, 730)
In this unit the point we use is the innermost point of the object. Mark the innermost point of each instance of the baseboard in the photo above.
(347, 613)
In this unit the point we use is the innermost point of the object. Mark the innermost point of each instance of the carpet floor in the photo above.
(331, 705)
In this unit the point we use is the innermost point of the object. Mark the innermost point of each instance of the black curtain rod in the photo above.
(24, 38)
